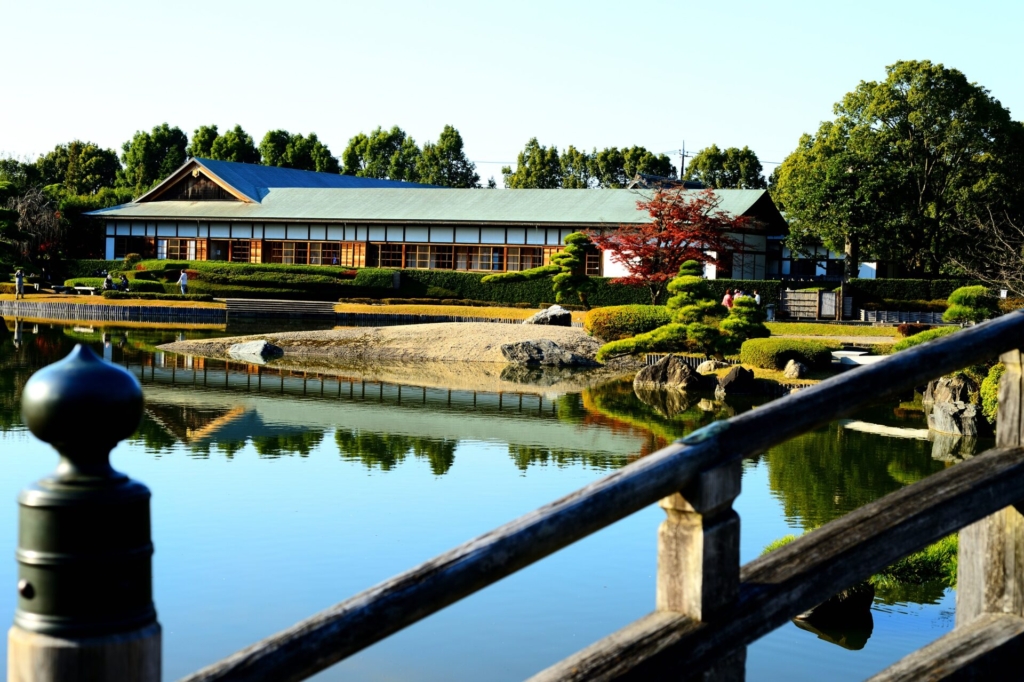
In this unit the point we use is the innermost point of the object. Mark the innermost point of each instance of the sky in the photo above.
(590, 74)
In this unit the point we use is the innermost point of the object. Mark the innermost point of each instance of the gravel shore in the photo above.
(443, 342)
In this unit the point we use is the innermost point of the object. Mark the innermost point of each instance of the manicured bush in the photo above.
(910, 328)
(136, 285)
(864, 290)
(745, 321)
(971, 304)
(130, 261)
(990, 392)
(775, 353)
(131, 296)
(918, 339)
(1008, 305)
(893, 305)
(670, 337)
(623, 321)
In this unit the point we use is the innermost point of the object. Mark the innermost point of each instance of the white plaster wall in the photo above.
(611, 268)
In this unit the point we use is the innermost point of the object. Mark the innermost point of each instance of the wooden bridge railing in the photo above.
(708, 608)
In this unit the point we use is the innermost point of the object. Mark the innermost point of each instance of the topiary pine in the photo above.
(970, 304)
(567, 268)
(745, 321)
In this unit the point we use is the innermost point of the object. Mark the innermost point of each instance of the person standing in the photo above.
(183, 282)
(757, 298)
(727, 299)
(19, 284)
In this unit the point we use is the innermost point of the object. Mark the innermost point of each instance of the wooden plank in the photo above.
(335, 633)
(806, 572)
(991, 647)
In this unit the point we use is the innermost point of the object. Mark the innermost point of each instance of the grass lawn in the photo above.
(99, 300)
(460, 310)
(826, 329)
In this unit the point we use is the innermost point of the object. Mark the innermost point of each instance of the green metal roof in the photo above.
(520, 206)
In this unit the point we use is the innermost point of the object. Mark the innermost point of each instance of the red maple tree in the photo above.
(684, 226)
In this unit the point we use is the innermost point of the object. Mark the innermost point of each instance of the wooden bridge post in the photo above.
(699, 556)
(990, 573)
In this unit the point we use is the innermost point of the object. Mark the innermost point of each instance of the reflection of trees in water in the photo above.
(525, 456)
(279, 445)
(153, 436)
(385, 451)
(827, 473)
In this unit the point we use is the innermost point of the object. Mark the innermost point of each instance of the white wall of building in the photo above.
(610, 267)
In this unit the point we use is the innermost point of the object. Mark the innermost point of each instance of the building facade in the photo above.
(209, 210)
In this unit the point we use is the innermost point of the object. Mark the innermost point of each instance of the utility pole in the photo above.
(682, 160)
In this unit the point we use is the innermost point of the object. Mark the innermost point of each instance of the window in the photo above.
(240, 252)
(428, 256)
(390, 255)
(353, 254)
(593, 266)
(520, 258)
(329, 252)
(181, 249)
(140, 245)
(480, 258)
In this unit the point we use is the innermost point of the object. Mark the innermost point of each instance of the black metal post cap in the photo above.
(82, 404)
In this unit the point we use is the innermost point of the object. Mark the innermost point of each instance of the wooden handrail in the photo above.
(352, 625)
(807, 571)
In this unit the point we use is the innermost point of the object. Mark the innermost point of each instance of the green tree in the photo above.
(731, 168)
(78, 167)
(237, 145)
(971, 304)
(10, 236)
(201, 144)
(537, 167)
(281, 148)
(150, 157)
(577, 169)
(906, 163)
(444, 163)
(568, 271)
(614, 168)
(384, 154)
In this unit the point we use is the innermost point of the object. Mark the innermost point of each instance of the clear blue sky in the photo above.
(591, 74)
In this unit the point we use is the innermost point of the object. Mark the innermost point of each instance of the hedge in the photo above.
(623, 321)
(132, 296)
(85, 267)
(906, 306)
(918, 339)
(775, 353)
(865, 290)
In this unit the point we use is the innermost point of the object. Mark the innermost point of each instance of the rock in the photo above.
(710, 366)
(958, 418)
(542, 353)
(950, 389)
(738, 380)
(556, 316)
(255, 352)
(666, 401)
(671, 372)
(795, 370)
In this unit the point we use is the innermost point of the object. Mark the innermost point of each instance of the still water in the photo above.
(278, 494)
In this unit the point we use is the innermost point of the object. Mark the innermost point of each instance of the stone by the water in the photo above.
(556, 316)
(542, 353)
(711, 366)
(795, 370)
(738, 380)
(256, 352)
(670, 372)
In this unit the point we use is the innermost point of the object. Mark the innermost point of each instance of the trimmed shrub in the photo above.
(1008, 305)
(623, 321)
(131, 296)
(131, 260)
(775, 353)
(670, 337)
(864, 290)
(910, 328)
(990, 392)
(745, 321)
(971, 304)
(907, 306)
(918, 339)
(136, 285)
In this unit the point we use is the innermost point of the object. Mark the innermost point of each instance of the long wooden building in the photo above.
(218, 210)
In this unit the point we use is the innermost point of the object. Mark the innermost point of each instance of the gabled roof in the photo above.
(250, 182)
(584, 207)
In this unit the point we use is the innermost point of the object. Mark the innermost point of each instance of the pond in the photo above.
(278, 494)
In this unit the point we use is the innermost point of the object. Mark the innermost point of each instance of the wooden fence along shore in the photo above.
(708, 608)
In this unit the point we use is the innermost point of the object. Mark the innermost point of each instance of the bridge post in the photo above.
(699, 556)
(85, 607)
(990, 573)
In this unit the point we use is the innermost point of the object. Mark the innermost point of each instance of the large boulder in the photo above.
(542, 353)
(795, 370)
(672, 373)
(958, 418)
(555, 316)
(711, 366)
(950, 389)
(738, 380)
(255, 352)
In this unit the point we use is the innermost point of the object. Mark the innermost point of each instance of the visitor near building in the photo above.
(757, 298)
(183, 282)
(19, 284)
(727, 299)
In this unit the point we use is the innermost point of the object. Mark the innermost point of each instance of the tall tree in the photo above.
(445, 163)
(237, 145)
(684, 226)
(150, 157)
(383, 154)
(731, 168)
(78, 167)
(281, 148)
(537, 167)
(914, 158)
(201, 144)
(10, 236)
(614, 168)
(577, 169)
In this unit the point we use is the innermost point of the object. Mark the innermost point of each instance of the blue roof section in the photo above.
(255, 181)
